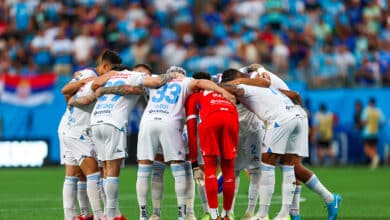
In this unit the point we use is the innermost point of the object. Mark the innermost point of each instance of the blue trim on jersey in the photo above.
(276, 125)
(269, 151)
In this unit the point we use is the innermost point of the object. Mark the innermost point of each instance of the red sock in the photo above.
(211, 184)
(227, 167)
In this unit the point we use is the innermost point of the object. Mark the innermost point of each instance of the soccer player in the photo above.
(77, 145)
(161, 126)
(372, 118)
(109, 126)
(283, 131)
(218, 137)
(301, 172)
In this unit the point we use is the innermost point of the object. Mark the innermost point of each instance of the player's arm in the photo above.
(294, 96)
(71, 88)
(101, 80)
(82, 101)
(191, 115)
(158, 81)
(233, 89)
(209, 85)
(258, 81)
(120, 90)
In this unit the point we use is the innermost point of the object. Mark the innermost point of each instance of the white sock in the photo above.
(190, 188)
(101, 189)
(203, 198)
(288, 189)
(157, 186)
(253, 194)
(143, 174)
(93, 190)
(179, 174)
(316, 186)
(214, 213)
(112, 193)
(294, 208)
(266, 188)
(82, 197)
(69, 195)
(236, 187)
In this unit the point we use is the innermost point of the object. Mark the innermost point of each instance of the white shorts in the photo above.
(111, 143)
(248, 153)
(289, 138)
(155, 134)
(61, 142)
(74, 150)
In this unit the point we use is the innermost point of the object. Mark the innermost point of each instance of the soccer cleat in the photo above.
(206, 216)
(333, 207)
(191, 217)
(247, 216)
(154, 217)
(122, 217)
(81, 217)
(295, 217)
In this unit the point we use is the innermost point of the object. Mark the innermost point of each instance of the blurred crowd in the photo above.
(324, 43)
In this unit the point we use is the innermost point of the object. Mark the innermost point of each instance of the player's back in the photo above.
(249, 122)
(167, 102)
(269, 104)
(211, 102)
(113, 108)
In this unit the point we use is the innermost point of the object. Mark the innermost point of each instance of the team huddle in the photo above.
(247, 120)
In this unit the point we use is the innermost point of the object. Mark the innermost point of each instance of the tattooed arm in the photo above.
(121, 90)
(82, 101)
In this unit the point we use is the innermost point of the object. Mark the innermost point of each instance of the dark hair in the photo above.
(372, 101)
(144, 65)
(111, 57)
(229, 75)
(120, 67)
(201, 75)
(322, 107)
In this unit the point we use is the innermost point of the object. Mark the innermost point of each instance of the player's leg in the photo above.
(69, 191)
(178, 172)
(90, 167)
(253, 195)
(288, 184)
(202, 195)
(295, 206)
(314, 184)
(157, 185)
(148, 142)
(211, 184)
(190, 189)
(82, 195)
(227, 167)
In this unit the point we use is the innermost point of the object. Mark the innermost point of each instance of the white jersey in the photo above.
(114, 109)
(276, 82)
(82, 74)
(78, 121)
(167, 102)
(248, 120)
(269, 104)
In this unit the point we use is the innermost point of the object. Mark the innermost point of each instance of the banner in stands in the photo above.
(27, 90)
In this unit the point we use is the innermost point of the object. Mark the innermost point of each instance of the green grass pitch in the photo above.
(36, 193)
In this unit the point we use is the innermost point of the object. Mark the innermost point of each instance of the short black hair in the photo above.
(201, 75)
(143, 65)
(372, 101)
(229, 75)
(111, 57)
(120, 67)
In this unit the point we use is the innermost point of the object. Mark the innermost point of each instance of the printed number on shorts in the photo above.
(110, 84)
(170, 93)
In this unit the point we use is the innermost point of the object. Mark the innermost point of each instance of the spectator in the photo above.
(372, 118)
(323, 122)
(61, 50)
(357, 116)
(40, 47)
